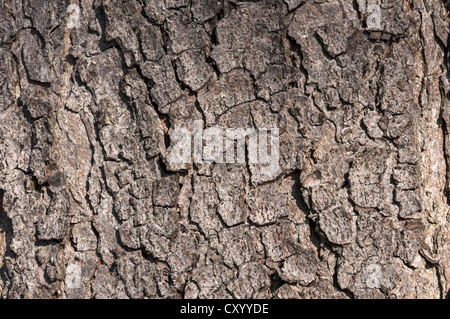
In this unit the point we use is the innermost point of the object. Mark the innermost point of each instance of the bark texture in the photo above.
(91, 205)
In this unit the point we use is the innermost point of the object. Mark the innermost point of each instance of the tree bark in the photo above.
(92, 205)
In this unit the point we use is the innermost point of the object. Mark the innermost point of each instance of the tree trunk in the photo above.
(95, 201)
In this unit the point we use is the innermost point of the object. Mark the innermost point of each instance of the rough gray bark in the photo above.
(91, 205)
